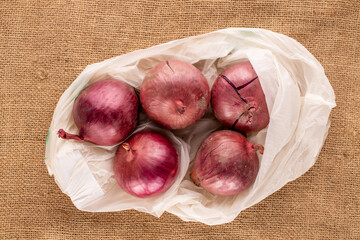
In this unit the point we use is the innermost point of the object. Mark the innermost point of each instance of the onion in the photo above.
(226, 163)
(238, 100)
(105, 113)
(146, 164)
(175, 94)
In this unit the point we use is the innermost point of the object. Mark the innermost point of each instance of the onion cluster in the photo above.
(175, 94)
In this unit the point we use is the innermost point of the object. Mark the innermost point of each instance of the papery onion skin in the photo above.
(238, 100)
(226, 163)
(175, 94)
(146, 164)
(105, 113)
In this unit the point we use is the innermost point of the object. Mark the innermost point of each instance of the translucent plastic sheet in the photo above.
(299, 99)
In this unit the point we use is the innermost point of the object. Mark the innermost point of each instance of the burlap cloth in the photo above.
(46, 44)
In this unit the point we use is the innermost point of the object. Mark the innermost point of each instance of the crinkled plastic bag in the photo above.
(299, 99)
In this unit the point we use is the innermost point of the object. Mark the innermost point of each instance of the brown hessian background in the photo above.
(44, 46)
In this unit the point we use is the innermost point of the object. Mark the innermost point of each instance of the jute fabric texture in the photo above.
(44, 46)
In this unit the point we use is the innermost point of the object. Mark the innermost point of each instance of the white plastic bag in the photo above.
(299, 99)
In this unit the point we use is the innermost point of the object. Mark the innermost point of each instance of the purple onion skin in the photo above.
(226, 163)
(175, 94)
(238, 100)
(146, 164)
(105, 113)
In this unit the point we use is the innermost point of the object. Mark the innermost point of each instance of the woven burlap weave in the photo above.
(44, 45)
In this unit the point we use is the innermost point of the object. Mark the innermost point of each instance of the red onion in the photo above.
(238, 100)
(105, 113)
(146, 164)
(226, 163)
(175, 94)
